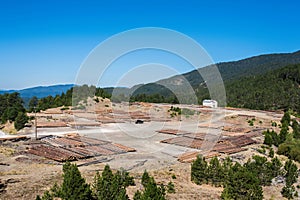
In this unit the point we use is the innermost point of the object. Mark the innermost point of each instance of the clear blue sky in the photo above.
(44, 42)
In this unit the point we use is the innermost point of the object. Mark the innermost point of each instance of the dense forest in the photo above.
(11, 109)
(278, 89)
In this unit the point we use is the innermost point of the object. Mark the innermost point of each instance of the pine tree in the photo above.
(74, 186)
(276, 167)
(242, 185)
(33, 102)
(291, 176)
(145, 178)
(283, 133)
(296, 129)
(199, 171)
(214, 172)
(112, 186)
(21, 120)
(268, 139)
(271, 153)
(286, 119)
(291, 172)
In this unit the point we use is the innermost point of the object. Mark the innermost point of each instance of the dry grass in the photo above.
(7, 151)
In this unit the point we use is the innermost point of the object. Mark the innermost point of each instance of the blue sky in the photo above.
(45, 42)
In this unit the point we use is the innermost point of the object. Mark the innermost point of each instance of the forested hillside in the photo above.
(272, 90)
(278, 89)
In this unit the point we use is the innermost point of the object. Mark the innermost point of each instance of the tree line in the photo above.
(72, 97)
(106, 186)
(244, 181)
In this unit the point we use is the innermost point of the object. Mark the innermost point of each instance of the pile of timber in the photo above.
(51, 124)
(62, 142)
(76, 124)
(189, 157)
(228, 145)
(54, 153)
(89, 141)
(14, 138)
(127, 149)
(255, 133)
(209, 125)
(236, 129)
(199, 136)
(246, 116)
(139, 115)
(75, 147)
(185, 142)
(241, 141)
(172, 131)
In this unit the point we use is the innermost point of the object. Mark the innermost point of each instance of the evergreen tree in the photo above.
(291, 176)
(242, 185)
(296, 129)
(288, 191)
(291, 172)
(276, 167)
(283, 133)
(214, 172)
(271, 153)
(112, 186)
(268, 139)
(33, 102)
(226, 167)
(74, 186)
(21, 120)
(145, 178)
(286, 119)
(151, 191)
(137, 195)
(199, 171)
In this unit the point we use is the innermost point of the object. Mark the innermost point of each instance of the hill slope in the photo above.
(229, 71)
(247, 67)
(277, 89)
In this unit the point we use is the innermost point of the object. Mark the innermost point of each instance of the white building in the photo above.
(210, 103)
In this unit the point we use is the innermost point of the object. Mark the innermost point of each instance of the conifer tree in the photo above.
(199, 171)
(74, 186)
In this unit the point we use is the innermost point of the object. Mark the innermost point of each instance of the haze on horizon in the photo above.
(44, 43)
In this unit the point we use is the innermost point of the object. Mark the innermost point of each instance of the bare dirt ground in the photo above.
(26, 175)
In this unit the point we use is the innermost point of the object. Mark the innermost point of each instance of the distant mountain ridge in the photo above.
(41, 91)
